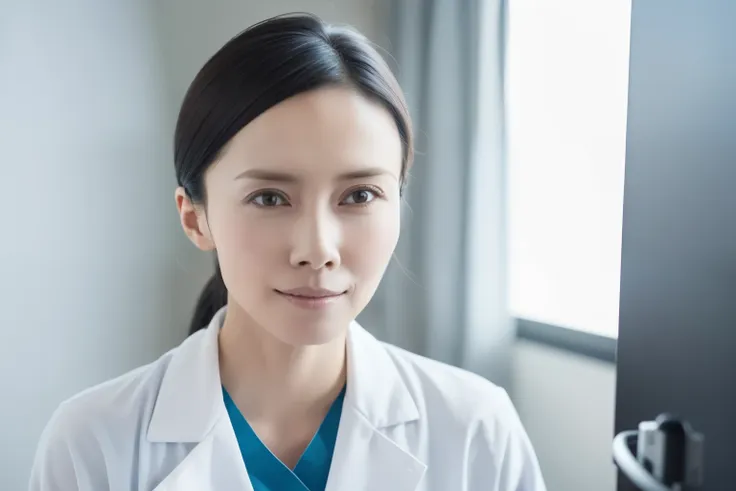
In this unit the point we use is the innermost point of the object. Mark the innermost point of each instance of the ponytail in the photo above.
(212, 299)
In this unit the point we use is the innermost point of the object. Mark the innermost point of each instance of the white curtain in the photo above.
(444, 295)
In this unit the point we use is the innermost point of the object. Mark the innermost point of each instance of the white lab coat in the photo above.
(408, 424)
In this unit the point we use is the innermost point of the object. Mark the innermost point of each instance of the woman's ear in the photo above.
(193, 221)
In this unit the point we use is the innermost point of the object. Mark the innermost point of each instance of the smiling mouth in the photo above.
(311, 299)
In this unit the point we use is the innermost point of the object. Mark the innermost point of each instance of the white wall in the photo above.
(96, 276)
(566, 402)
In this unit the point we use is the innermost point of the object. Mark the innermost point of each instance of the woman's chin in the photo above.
(309, 332)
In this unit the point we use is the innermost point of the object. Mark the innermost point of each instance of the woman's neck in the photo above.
(271, 380)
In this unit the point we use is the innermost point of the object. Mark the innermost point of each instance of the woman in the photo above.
(291, 149)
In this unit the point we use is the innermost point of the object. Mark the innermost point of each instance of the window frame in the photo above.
(583, 343)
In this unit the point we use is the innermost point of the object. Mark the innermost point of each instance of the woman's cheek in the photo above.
(371, 242)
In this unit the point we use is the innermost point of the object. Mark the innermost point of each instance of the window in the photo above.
(566, 89)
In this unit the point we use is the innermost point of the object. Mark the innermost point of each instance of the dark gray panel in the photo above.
(677, 334)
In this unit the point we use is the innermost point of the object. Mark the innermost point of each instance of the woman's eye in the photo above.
(268, 200)
(360, 197)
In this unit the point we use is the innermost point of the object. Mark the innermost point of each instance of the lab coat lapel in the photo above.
(365, 458)
(190, 409)
(215, 464)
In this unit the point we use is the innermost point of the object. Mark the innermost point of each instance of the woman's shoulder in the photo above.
(108, 419)
(118, 398)
(90, 424)
(128, 396)
(473, 416)
(123, 402)
(446, 391)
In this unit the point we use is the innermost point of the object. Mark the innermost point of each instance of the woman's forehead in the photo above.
(333, 128)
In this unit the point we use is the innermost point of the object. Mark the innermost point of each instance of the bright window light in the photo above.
(566, 88)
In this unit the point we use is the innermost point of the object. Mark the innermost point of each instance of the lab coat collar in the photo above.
(190, 408)
(374, 386)
(189, 402)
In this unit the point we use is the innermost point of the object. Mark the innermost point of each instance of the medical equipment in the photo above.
(668, 455)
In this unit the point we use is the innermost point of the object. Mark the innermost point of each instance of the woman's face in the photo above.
(303, 210)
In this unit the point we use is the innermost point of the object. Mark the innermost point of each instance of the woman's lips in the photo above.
(311, 298)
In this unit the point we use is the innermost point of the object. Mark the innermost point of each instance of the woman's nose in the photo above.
(316, 242)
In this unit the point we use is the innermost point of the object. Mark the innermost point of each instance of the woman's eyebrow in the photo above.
(266, 175)
(276, 176)
(363, 173)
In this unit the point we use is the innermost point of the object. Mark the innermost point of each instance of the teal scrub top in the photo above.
(268, 473)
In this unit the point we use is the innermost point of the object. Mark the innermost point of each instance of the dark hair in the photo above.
(262, 66)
